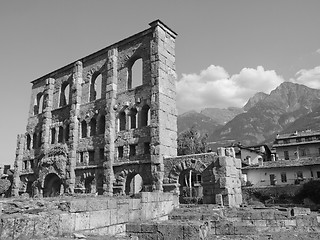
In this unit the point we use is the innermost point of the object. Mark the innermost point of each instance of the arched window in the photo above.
(145, 116)
(28, 141)
(38, 104)
(122, 121)
(67, 132)
(93, 127)
(135, 74)
(40, 139)
(95, 87)
(133, 118)
(53, 135)
(83, 129)
(60, 136)
(65, 94)
(34, 140)
(102, 125)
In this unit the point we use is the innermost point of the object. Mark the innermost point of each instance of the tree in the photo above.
(192, 142)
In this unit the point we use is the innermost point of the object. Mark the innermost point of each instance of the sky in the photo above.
(226, 51)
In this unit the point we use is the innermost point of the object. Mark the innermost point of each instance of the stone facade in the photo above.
(95, 124)
(220, 175)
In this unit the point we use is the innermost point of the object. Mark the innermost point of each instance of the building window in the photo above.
(145, 116)
(286, 141)
(83, 129)
(91, 156)
(38, 104)
(65, 94)
(102, 124)
(146, 148)
(40, 139)
(95, 87)
(283, 177)
(298, 139)
(286, 155)
(122, 121)
(135, 74)
(81, 157)
(132, 150)
(299, 175)
(34, 140)
(67, 132)
(101, 153)
(93, 127)
(31, 164)
(273, 179)
(120, 152)
(25, 165)
(133, 118)
(303, 152)
(60, 136)
(29, 142)
(318, 174)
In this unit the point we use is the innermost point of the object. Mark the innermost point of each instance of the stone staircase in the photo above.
(213, 222)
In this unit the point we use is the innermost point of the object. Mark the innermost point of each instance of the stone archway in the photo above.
(134, 184)
(184, 165)
(52, 185)
(188, 171)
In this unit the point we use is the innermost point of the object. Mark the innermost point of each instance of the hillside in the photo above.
(272, 114)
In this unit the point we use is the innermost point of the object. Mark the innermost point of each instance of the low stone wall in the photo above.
(207, 222)
(90, 215)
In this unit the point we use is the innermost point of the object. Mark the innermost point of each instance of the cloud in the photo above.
(214, 87)
(318, 51)
(308, 77)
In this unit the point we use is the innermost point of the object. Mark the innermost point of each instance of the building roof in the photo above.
(296, 134)
(286, 163)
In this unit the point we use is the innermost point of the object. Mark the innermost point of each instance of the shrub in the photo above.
(309, 190)
(4, 185)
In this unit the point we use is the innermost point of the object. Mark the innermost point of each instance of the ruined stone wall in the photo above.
(117, 124)
(90, 216)
(221, 175)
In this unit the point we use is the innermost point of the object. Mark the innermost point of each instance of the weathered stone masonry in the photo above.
(91, 129)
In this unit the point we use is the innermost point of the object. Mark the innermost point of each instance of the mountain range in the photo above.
(287, 108)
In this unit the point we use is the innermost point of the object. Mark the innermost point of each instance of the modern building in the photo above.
(297, 145)
(282, 172)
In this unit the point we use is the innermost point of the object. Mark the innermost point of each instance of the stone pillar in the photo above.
(47, 116)
(74, 126)
(163, 100)
(110, 131)
(18, 165)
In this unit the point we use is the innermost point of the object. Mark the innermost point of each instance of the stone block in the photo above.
(47, 225)
(23, 228)
(267, 214)
(97, 204)
(171, 231)
(67, 222)
(221, 151)
(7, 228)
(245, 230)
(113, 216)
(190, 231)
(99, 219)
(123, 213)
(82, 221)
(149, 227)
(78, 205)
(112, 203)
(224, 228)
(298, 211)
(290, 222)
(133, 227)
(135, 204)
(146, 197)
(134, 215)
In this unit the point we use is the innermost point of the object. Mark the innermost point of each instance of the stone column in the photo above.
(18, 165)
(74, 126)
(47, 116)
(163, 101)
(110, 131)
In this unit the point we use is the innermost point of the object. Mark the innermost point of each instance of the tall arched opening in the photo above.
(190, 185)
(52, 185)
(134, 184)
